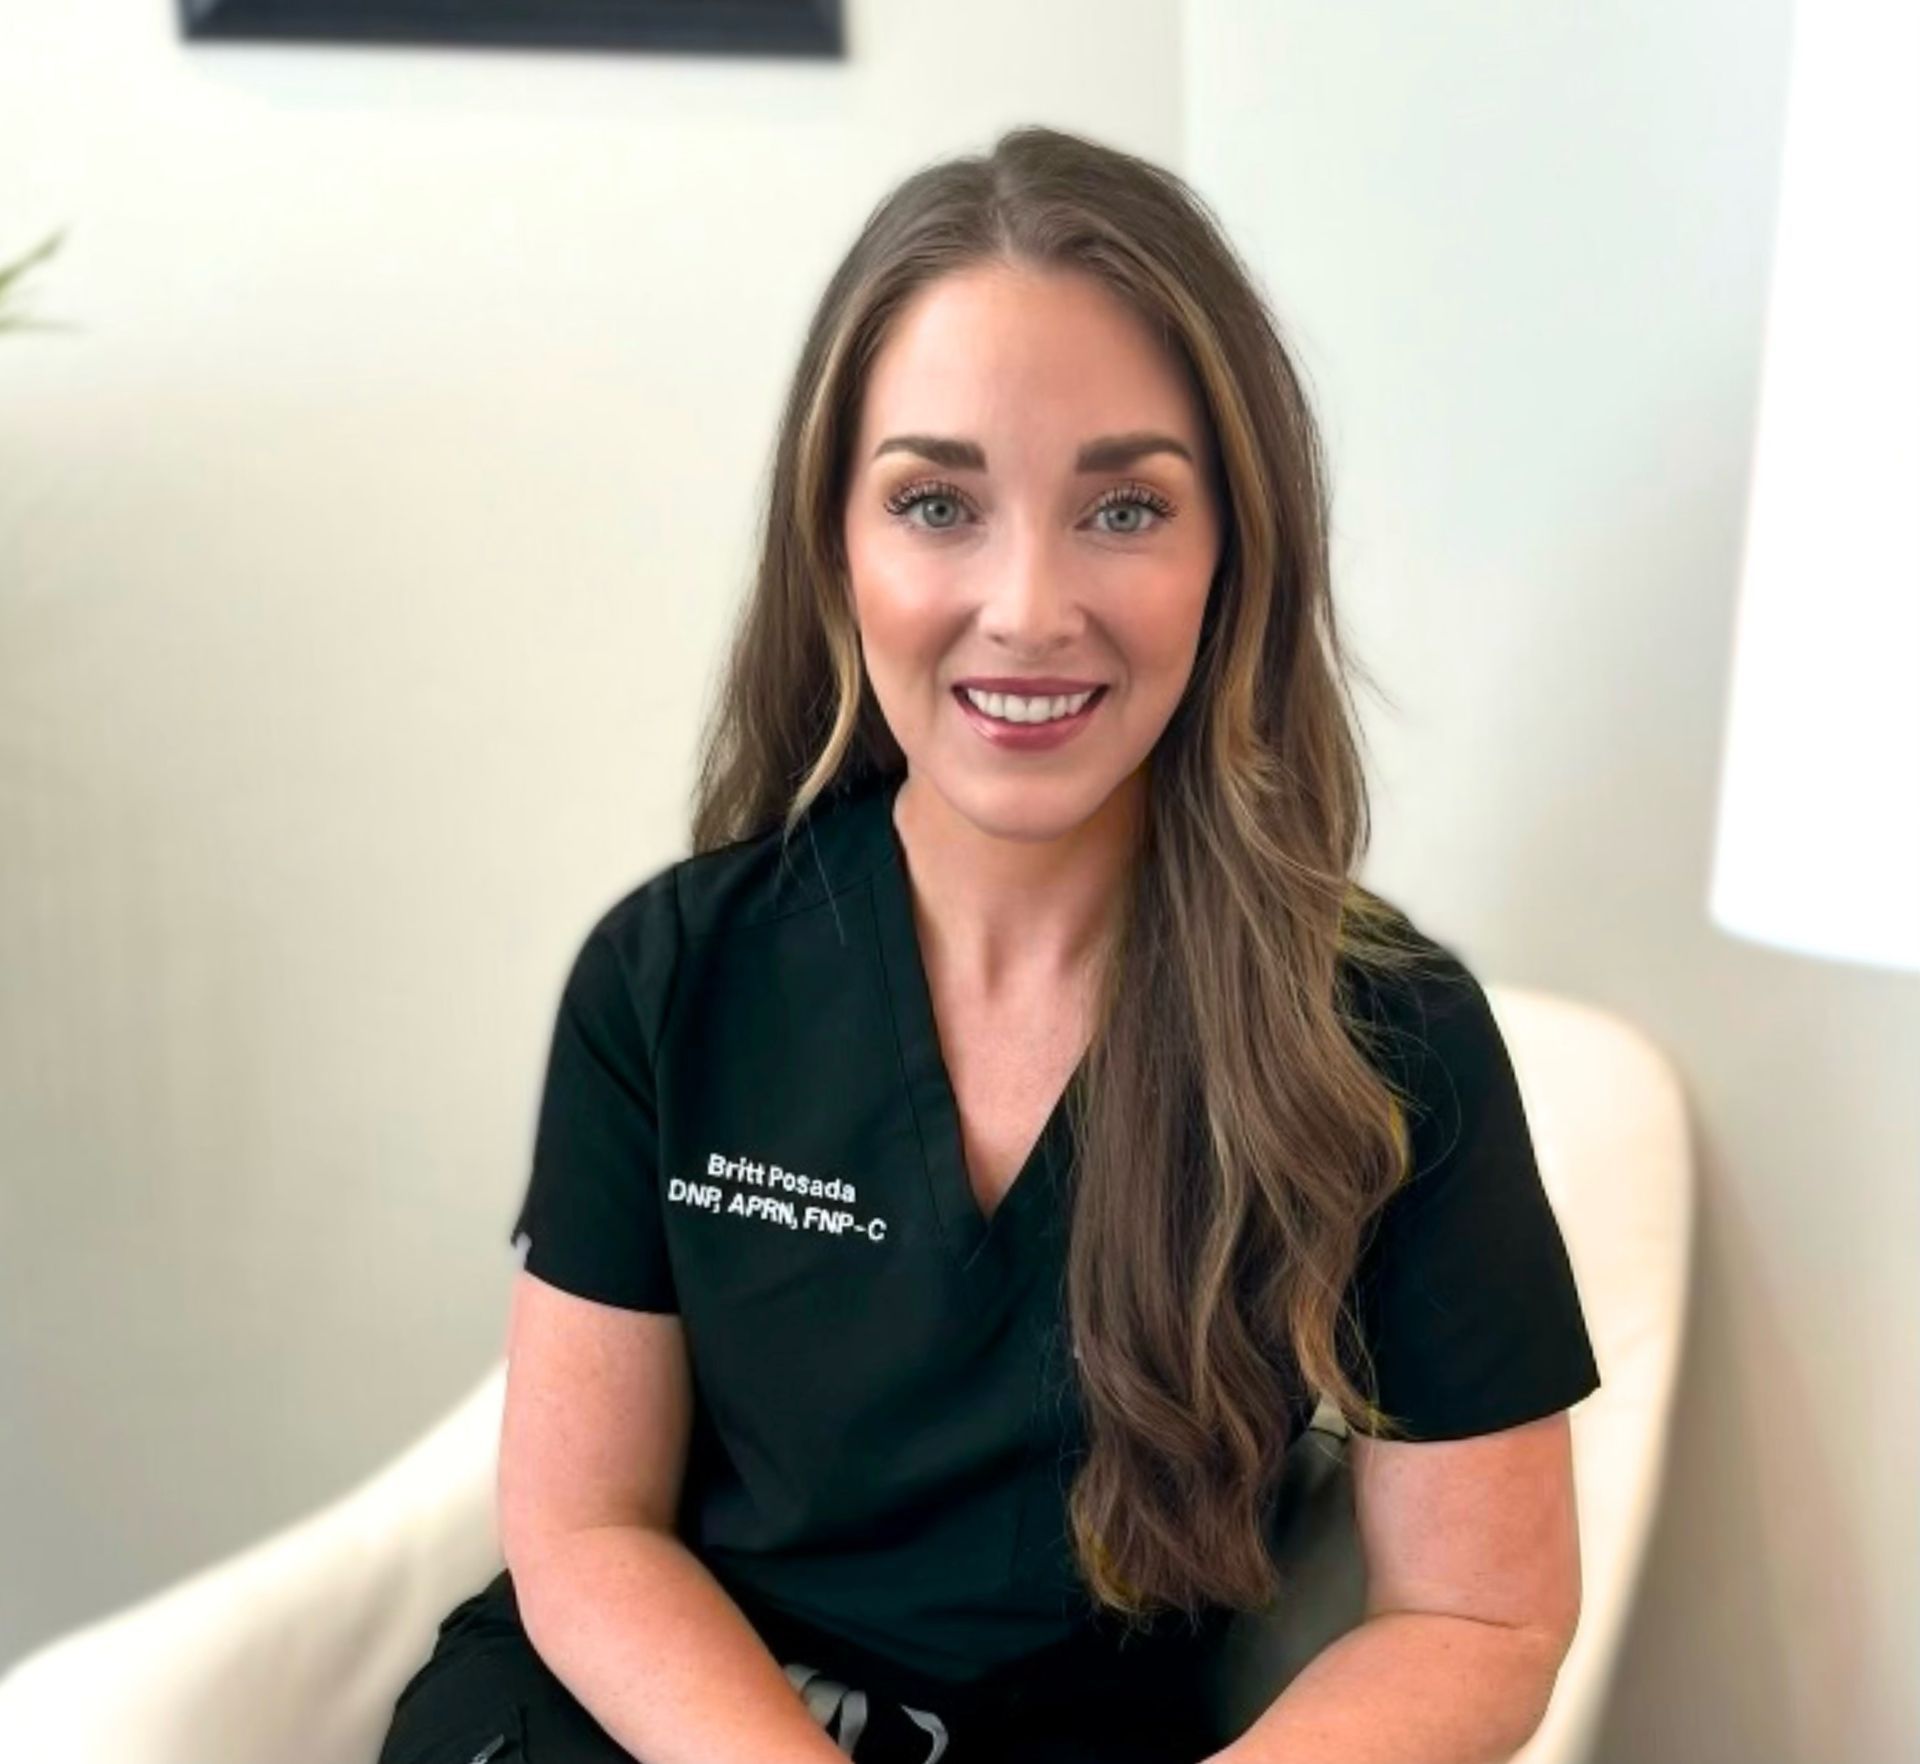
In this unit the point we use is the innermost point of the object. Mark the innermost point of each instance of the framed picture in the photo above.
(744, 27)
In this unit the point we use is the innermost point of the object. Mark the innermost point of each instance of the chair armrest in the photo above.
(1610, 1121)
(295, 1648)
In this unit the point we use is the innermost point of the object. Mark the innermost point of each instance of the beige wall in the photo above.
(1524, 250)
(365, 552)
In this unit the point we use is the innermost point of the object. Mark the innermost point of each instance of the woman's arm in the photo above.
(1473, 1591)
(652, 1646)
(1409, 1687)
(593, 1454)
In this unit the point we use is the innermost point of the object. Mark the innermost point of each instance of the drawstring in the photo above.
(825, 1697)
(934, 1725)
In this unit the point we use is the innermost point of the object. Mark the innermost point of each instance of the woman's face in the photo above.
(1027, 502)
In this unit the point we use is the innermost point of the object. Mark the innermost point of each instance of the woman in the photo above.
(958, 1180)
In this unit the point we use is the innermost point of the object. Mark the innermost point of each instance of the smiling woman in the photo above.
(1073, 557)
(1021, 915)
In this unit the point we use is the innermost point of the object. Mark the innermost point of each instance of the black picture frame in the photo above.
(728, 27)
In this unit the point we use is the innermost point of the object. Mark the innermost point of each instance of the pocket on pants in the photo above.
(499, 1737)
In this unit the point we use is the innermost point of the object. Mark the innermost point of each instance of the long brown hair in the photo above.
(1233, 1139)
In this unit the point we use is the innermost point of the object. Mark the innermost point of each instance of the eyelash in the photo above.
(901, 502)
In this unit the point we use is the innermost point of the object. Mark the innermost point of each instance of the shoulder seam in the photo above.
(670, 992)
(829, 893)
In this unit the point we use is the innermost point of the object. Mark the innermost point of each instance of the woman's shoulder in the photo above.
(1415, 1004)
(763, 877)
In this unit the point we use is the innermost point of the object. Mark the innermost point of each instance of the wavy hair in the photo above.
(1233, 1137)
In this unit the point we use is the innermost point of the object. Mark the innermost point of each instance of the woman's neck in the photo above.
(1008, 919)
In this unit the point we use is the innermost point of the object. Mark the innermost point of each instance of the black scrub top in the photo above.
(747, 1121)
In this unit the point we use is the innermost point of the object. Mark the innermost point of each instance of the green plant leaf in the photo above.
(11, 273)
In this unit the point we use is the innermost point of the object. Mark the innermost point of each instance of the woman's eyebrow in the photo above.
(1108, 453)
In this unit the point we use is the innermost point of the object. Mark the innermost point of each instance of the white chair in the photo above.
(293, 1650)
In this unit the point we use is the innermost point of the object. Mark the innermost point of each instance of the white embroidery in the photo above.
(754, 1175)
(747, 1200)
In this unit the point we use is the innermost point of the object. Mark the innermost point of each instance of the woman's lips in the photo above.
(1028, 737)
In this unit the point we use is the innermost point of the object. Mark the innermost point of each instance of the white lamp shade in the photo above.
(1818, 843)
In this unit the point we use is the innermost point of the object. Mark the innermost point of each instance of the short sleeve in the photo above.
(1464, 1293)
(590, 1220)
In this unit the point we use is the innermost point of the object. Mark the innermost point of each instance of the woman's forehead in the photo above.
(1023, 367)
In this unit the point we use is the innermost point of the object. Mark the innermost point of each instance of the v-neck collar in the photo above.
(1035, 1192)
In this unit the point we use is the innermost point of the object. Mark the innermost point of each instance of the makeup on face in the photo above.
(1019, 723)
(1029, 569)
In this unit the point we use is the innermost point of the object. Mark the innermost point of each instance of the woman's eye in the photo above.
(908, 501)
(1135, 503)
(1140, 509)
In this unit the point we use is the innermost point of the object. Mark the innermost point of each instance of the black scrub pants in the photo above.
(485, 1697)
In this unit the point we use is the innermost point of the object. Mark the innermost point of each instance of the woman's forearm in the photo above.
(652, 1646)
(1409, 1687)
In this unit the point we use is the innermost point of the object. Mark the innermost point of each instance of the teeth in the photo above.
(1010, 709)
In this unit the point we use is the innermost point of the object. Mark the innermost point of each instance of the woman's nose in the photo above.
(1033, 601)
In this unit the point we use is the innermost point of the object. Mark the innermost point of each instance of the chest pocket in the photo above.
(828, 1333)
